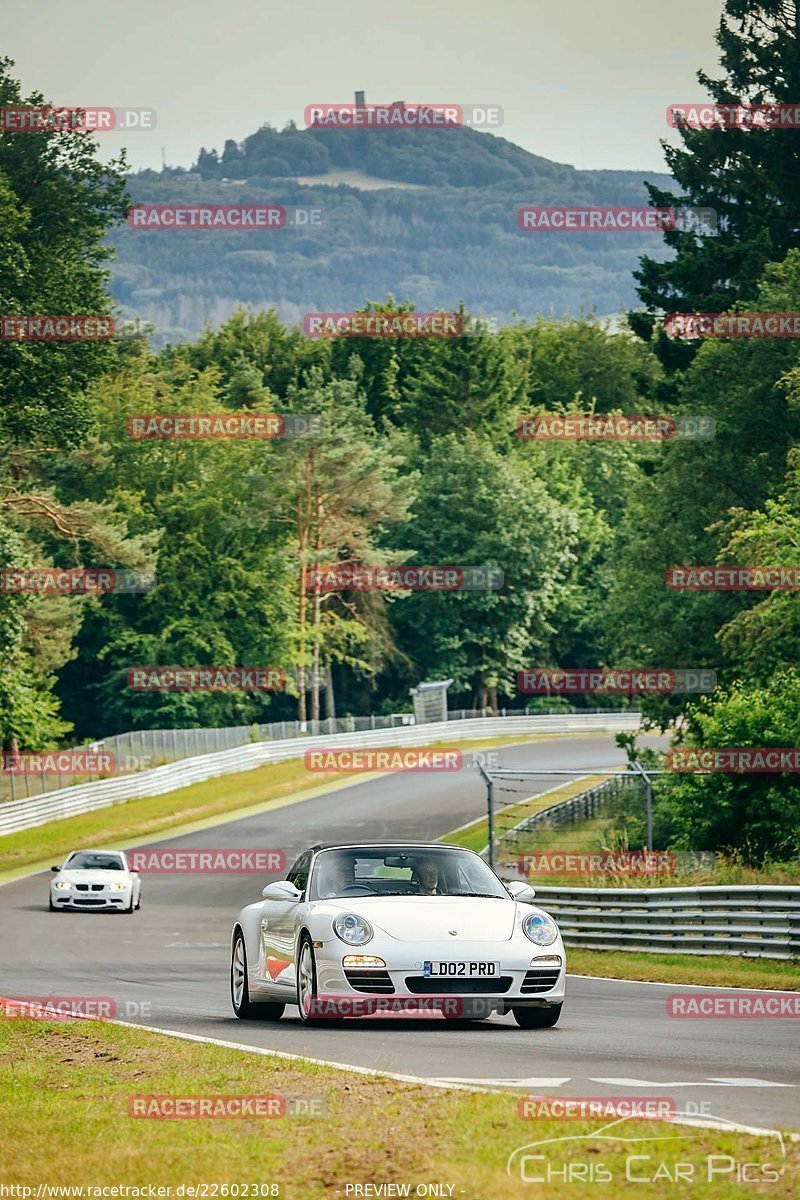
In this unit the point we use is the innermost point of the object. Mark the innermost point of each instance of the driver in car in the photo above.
(340, 874)
(428, 878)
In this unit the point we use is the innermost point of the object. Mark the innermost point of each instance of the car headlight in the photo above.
(61, 885)
(352, 929)
(117, 887)
(540, 929)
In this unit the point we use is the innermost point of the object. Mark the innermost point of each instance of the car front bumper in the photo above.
(91, 899)
(528, 976)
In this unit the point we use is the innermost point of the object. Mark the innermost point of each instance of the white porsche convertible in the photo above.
(356, 929)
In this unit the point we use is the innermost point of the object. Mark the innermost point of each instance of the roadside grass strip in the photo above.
(68, 1090)
(714, 971)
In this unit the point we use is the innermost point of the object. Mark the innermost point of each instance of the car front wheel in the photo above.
(537, 1018)
(240, 992)
(307, 985)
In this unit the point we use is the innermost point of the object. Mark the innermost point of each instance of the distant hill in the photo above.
(426, 215)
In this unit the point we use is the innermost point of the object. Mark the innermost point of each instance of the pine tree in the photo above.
(749, 177)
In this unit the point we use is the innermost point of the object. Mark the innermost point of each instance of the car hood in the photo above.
(93, 876)
(433, 918)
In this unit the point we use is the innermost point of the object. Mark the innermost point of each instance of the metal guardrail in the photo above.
(142, 749)
(17, 815)
(761, 921)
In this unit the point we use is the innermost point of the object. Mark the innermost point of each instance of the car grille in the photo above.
(375, 982)
(420, 986)
(89, 900)
(85, 887)
(540, 980)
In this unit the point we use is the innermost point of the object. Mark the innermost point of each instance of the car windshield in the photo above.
(85, 860)
(402, 871)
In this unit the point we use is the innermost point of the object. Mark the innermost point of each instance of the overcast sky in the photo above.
(579, 81)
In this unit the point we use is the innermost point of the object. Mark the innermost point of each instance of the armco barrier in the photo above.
(67, 802)
(762, 921)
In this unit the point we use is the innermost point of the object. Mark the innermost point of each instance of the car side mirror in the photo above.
(55, 868)
(284, 889)
(520, 891)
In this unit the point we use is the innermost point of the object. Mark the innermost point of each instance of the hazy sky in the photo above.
(580, 81)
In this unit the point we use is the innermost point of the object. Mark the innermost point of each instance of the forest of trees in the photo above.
(418, 461)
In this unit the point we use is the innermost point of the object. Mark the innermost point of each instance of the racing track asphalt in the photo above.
(614, 1037)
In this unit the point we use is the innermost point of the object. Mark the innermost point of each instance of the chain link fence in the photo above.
(526, 824)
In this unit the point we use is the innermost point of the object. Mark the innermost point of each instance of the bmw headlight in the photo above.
(540, 929)
(61, 885)
(117, 887)
(352, 929)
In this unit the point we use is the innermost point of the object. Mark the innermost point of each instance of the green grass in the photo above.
(715, 970)
(65, 1089)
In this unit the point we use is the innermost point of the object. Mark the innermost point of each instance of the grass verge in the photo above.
(228, 795)
(65, 1091)
(715, 970)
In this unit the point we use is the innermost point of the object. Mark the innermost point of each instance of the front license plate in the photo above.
(460, 970)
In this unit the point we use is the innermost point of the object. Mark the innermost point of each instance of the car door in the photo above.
(276, 947)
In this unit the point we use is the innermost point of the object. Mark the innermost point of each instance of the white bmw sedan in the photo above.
(98, 879)
(393, 927)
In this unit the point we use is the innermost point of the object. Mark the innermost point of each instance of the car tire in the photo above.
(537, 1018)
(306, 986)
(129, 909)
(240, 992)
(52, 906)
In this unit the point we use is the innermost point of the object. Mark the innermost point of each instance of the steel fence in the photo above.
(761, 921)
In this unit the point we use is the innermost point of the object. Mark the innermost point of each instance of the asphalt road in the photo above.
(167, 966)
